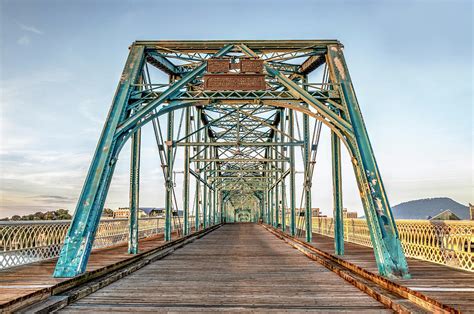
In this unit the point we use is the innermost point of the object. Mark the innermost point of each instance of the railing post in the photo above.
(337, 195)
(134, 192)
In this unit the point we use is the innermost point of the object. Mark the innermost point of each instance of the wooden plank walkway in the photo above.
(36, 279)
(238, 267)
(447, 285)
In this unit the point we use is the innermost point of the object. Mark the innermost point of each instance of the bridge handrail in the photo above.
(449, 243)
(23, 242)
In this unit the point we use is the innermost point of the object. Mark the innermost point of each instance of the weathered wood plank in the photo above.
(235, 268)
(427, 278)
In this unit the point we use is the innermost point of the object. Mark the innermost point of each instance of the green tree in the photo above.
(39, 216)
(63, 214)
(107, 212)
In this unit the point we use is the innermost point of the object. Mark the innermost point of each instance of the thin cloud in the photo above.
(31, 29)
(53, 198)
(23, 40)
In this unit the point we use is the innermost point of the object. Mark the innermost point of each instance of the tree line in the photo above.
(60, 214)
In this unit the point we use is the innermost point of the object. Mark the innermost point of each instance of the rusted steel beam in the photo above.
(311, 64)
(257, 45)
(161, 63)
(234, 82)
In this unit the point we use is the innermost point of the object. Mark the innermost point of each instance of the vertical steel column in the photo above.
(186, 173)
(215, 206)
(211, 196)
(337, 195)
(221, 207)
(268, 199)
(80, 236)
(209, 200)
(204, 186)
(272, 206)
(292, 176)
(134, 192)
(308, 216)
(169, 176)
(283, 168)
(388, 251)
(277, 197)
(271, 194)
(197, 220)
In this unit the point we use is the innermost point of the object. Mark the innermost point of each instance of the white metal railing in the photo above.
(23, 242)
(449, 243)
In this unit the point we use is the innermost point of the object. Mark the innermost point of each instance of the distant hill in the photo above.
(421, 209)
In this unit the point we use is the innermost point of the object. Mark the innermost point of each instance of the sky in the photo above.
(410, 61)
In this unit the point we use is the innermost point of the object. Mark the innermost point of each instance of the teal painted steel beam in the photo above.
(215, 197)
(337, 195)
(134, 192)
(305, 96)
(277, 196)
(272, 207)
(169, 177)
(283, 180)
(307, 178)
(186, 174)
(388, 251)
(211, 197)
(197, 222)
(205, 222)
(291, 126)
(162, 63)
(172, 91)
(243, 144)
(80, 236)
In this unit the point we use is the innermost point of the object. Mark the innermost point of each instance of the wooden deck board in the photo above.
(18, 282)
(427, 278)
(239, 267)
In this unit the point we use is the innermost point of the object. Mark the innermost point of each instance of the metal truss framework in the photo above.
(239, 146)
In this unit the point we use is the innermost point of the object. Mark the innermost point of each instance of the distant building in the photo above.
(348, 214)
(153, 211)
(471, 211)
(316, 211)
(445, 215)
(124, 212)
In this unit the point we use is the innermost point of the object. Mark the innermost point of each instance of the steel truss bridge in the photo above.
(239, 147)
